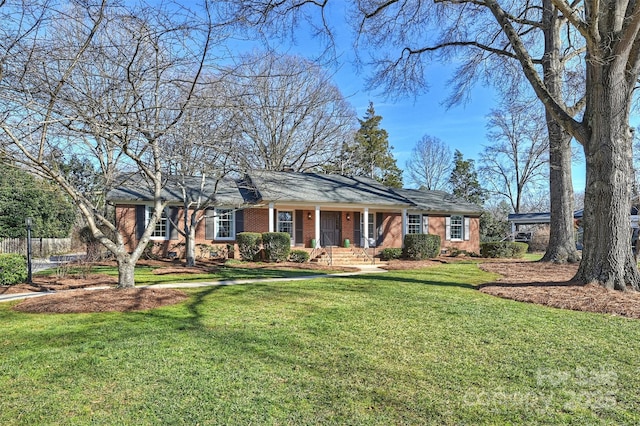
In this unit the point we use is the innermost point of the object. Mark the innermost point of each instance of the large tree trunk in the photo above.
(562, 247)
(607, 258)
(126, 268)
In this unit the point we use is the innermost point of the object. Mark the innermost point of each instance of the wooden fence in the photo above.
(40, 247)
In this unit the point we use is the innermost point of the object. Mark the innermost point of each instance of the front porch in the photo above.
(338, 227)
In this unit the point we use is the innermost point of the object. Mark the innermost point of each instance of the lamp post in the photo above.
(29, 222)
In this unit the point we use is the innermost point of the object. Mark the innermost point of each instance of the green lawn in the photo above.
(144, 274)
(410, 347)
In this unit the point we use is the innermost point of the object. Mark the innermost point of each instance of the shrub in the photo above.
(152, 250)
(391, 253)
(249, 245)
(13, 269)
(299, 256)
(421, 246)
(503, 249)
(277, 246)
(455, 252)
(215, 251)
(540, 239)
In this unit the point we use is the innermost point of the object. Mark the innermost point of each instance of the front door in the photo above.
(329, 229)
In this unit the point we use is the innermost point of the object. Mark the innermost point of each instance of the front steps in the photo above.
(344, 256)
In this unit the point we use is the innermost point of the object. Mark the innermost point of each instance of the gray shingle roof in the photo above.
(324, 188)
(135, 189)
(294, 187)
(439, 202)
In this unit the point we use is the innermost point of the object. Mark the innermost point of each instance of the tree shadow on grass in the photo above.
(499, 284)
(384, 278)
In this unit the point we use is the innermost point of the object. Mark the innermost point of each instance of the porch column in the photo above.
(317, 226)
(365, 226)
(513, 232)
(404, 225)
(271, 217)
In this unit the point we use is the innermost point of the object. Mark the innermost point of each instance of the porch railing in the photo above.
(370, 258)
(328, 246)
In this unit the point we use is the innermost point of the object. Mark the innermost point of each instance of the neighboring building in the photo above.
(321, 209)
(544, 219)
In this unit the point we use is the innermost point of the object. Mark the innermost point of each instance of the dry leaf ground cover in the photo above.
(550, 284)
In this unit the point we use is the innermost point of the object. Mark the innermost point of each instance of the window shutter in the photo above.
(209, 224)
(447, 232)
(357, 235)
(173, 229)
(298, 233)
(141, 221)
(275, 220)
(425, 224)
(380, 228)
(466, 228)
(239, 221)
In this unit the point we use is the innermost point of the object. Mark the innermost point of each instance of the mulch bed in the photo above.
(550, 285)
(107, 300)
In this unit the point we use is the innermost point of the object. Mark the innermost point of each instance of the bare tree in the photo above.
(430, 164)
(287, 112)
(515, 161)
(199, 155)
(107, 83)
(601, 37)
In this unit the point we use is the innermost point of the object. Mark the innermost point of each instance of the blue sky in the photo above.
(462, 127)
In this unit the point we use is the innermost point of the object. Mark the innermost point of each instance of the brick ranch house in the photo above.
(324, 210)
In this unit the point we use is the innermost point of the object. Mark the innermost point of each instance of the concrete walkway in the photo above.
(363, 269)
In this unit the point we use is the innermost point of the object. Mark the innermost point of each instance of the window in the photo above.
(224, 228)
(285, 222)
(457, 227)
(371, 227)
(161, 231)
(414, 224)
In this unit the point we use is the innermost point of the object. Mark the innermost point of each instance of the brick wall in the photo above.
(126, 223)
(256, 220)
(437, 226)
(308, 227)
(347, 227)
(392, 227)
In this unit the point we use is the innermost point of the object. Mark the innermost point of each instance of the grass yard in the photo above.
(145, 275)
(407, 347)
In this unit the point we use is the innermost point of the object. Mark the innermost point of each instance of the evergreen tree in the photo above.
(464, 180)
(370, 155)
(22, 195)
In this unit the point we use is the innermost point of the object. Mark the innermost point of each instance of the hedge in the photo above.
(421, 246)
(503, 249)
(299, 256)
(391, 253)
(277, 246)
(249, 245)
(13, 269)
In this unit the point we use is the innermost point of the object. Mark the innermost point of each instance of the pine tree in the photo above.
(371, 155)
(464, 180)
